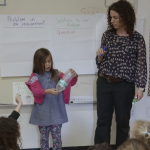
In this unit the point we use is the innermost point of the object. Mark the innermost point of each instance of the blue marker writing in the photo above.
(103, 50)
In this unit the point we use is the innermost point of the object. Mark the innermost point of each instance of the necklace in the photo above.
(117, 40)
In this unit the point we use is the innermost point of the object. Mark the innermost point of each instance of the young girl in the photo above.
(48, 111)
(141, 130)
(133, 144)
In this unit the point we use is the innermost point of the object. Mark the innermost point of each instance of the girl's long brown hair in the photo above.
(39, 63)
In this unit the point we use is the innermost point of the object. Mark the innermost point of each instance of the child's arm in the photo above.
(51, 91)
(15, 114)
(19, 102)
(35, 87)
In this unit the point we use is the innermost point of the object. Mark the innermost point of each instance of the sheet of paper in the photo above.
(73, 51)
(73, 27)
(18, 28)
(17, 58)
(26, 95)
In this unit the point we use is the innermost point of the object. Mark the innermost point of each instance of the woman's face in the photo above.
(115, 20)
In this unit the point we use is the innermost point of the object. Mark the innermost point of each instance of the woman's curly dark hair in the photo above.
(9, 134)
(126, 13)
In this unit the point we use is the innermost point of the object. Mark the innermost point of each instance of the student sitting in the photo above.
(10, 129)
(140, 130)
(133, 144)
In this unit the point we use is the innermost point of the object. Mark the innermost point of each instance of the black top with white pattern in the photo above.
(125, 58)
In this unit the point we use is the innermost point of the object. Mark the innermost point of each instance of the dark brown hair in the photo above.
(103, 146)
(126, 13)
(9, 134)
(133, 144)
(39, 63)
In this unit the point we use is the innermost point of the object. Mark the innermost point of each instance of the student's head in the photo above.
(43, 62)
(133, 144)
(121, 15)
(9, 134)
(103, 146)
(140, 130)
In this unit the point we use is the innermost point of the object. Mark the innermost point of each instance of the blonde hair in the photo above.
(140, 130)
(133, 144)
(103, 146)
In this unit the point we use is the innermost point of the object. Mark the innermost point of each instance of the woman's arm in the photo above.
(141, 68)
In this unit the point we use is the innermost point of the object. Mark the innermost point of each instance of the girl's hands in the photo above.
(73, 72)
(52, 91)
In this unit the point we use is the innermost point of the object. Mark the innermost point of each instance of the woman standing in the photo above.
(122, 66)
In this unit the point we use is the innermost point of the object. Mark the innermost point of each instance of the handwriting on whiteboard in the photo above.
(82, 83)
(89, 10)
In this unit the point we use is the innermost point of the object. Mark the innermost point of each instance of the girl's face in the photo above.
(48, 63)
(115, 20)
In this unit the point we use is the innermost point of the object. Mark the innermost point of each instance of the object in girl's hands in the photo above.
(62, 83)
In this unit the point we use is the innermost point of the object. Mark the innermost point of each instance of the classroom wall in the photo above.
(79, 131)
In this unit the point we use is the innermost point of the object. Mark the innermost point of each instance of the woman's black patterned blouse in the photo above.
(125, 58)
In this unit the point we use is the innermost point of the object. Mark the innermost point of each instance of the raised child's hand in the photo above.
(18, 100)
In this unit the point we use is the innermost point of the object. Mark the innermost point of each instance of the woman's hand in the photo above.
(100, 53)
(52, 91)
(73, 72)
(139, 94)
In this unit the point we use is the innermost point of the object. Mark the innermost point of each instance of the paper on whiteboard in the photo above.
(18, 28)
(73, 27)
(17, 57)
(73, 51)
(101, 27)
(23, 90)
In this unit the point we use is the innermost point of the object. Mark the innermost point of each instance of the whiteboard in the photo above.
(72, 40)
